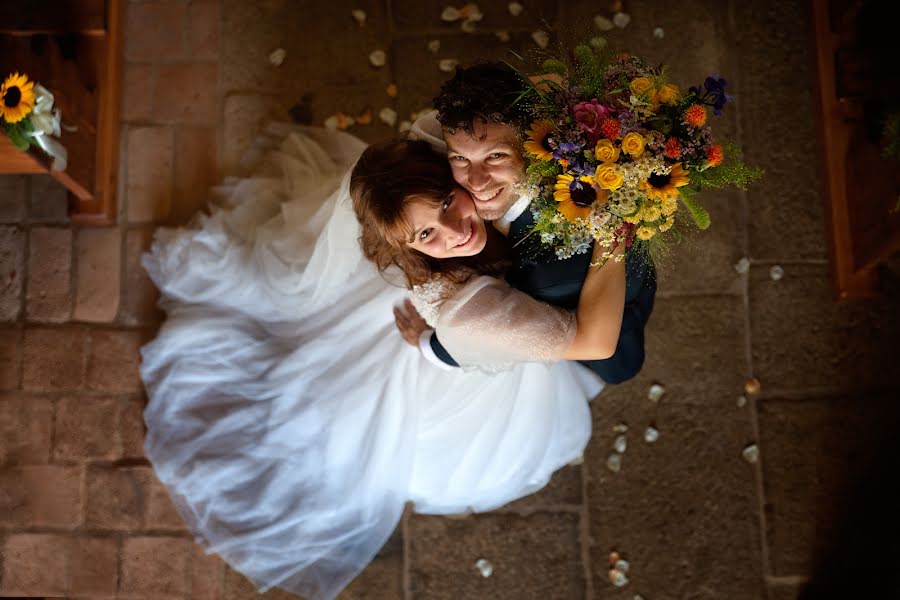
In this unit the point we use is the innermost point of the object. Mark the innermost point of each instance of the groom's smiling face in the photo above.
(488, 165)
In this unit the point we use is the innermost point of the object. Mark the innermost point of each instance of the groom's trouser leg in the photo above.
(640, 292)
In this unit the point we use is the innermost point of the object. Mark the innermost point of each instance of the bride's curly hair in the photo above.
(387, 177)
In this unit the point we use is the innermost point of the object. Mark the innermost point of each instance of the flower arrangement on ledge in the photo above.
(29, 119)
(614, 148)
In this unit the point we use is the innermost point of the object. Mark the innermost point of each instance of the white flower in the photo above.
(388, 116)
(44, 118)
(541, 38)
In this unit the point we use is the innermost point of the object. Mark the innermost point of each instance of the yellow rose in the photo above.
(641, 86)
(668, 93)
(633, 144)
(608, 177)
(606, 151)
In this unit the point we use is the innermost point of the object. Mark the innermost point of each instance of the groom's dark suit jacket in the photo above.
(536, 271)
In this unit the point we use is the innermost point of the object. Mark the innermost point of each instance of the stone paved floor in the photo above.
(82, 516)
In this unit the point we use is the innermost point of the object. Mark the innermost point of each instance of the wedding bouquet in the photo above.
(28, 117)
(614, 147)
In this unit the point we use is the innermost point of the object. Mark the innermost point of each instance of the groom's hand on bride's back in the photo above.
(409, 323)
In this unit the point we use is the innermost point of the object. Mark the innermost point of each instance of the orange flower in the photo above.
(610, 129)
(695, 115)
(673, 148)
(715, 155)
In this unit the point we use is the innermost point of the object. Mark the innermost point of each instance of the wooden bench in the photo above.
(74, 49)
(856, 54)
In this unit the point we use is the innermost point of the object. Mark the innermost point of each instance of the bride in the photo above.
(291, 422)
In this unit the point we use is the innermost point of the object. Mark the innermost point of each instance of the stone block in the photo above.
(703, 261)
(132, 428)
(10, 357)
(114, 360)
(49, 292)
(703, 336)
(93, 566)
(204, 23)
(207, 575)
(187, 93)
(26, 423)
(12, 198)
(411, 16)
(117, 497)
(148, 186)
(683, 510)
(245, 117)
(535, 556)
(140, 81)
(196, 171)
(48, 200)
(87, 427)
(238, 587)
(41, 496)
(99, 280)
(161, 512)
(139, 295)
(129, 498)
(252, 30)
(801, 338)
(382, 579)
(691, 48)
(155, 567)
(34, 566)
(155, 30)
(12, 272)
(775, 97)
(55, 358)
(785, 591)
(564, 490)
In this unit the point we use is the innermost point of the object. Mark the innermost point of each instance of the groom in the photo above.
(478, 118)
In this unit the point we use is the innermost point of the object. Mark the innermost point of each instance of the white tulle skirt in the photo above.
(287, 417)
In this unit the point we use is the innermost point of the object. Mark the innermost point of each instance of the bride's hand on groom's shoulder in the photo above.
(409, 323)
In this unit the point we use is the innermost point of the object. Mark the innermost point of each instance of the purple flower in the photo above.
(589, 116)
(570, 147)
(713, 93)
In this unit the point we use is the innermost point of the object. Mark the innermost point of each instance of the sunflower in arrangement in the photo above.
(615, 149)
(16, 98)
(29, 119)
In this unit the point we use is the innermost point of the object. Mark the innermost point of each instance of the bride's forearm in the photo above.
(599, 314)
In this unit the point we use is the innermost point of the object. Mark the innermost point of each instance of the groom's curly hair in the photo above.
(487, 92)
(389, 176)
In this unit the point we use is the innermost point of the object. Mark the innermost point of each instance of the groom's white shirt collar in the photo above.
(515, 211)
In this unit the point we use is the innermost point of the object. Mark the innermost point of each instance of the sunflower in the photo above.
(16, 98)
(538, 142)
(576, 196)
(665, 186)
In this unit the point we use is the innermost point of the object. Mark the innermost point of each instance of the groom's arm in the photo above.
(416, 332)
(433, 350)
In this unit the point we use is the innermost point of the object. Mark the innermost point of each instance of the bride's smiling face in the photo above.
(449, 230)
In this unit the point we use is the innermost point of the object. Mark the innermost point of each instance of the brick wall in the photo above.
(81, 511)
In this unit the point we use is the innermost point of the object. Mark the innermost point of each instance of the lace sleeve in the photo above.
(488, 325)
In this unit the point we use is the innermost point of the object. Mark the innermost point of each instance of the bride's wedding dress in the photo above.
(288, 418)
